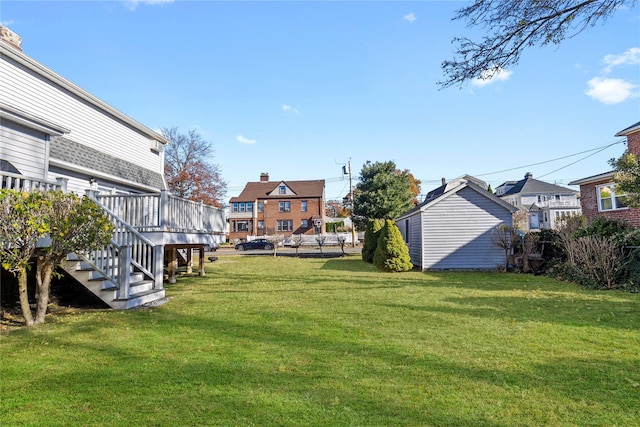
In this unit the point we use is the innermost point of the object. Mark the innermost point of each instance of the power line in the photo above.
(597, 149)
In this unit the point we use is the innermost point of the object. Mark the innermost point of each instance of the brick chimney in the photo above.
(264, 177)
(10, 37)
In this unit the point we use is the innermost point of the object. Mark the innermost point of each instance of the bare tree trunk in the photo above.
(43, 280)
(24, 297)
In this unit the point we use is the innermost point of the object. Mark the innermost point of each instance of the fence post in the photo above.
(124, 271)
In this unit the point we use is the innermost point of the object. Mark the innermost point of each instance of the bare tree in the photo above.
(296, 242)
(342, 239)
(321, 239)
(514, 25)
(505, 237)
(188, 168)
(276, 240)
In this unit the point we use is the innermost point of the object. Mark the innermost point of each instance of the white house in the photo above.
(453, 227)
(55, 135)
(541, 202)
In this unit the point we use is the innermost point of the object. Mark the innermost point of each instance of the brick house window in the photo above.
(242, 226)
(260, 206)
(608, 200)
(283, 189)
(235, 206)
(261, 225)
(303, 206)
(285, 225)
(285, 206)
(304, 223)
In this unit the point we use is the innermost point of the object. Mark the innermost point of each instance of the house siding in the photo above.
(91, 126)
(457, 232)
(24, 148)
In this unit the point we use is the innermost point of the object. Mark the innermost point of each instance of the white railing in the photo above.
(186, 215)
(329, 239)
(12, 181)
(558, 204)
(140, 211)
(128, 247)
(164, 212)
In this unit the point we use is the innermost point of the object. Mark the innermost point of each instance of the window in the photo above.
(285, 206)
(283, 189)
(304, 223)
(608, 200)
(235, 206)
(303, 206)
(242, 207)
(242, 226)
(285, 225)
(261, 225)
(250, 207)
(260, 206)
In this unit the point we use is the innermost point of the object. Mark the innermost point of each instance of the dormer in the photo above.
(282, 189)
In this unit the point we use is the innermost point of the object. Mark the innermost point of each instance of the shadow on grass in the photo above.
(235, 371)
(574, 310)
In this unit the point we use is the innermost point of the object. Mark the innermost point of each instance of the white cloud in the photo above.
(491, 76)
(411, 17)
(629, 57)
(611, 91)
(133, 4)
(289, 108)
(242, 140)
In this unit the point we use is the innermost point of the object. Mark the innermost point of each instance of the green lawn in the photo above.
(332, 342)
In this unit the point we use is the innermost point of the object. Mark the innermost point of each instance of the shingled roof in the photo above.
(528, 185)
(260, 190)
(73, 153)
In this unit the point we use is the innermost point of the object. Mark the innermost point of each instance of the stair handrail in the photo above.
(140, 251)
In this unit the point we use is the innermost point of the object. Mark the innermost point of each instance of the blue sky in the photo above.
(298, 88)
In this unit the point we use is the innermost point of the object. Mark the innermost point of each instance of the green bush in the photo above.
(392, 253)
(371, 235)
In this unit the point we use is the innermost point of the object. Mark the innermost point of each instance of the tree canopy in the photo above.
(189, 170)
(511, 26)
(627, 177)
(383, 192)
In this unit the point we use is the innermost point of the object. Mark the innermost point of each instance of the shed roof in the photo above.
(447, 190)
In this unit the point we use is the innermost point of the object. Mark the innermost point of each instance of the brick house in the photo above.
(282, 207)
(598, 195)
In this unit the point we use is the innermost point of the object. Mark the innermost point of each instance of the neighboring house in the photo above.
(542, 204)
(277, 207)
(55, 135)
(598, 194)
(453, 227)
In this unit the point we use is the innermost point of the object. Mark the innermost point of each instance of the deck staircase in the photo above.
(127, 273)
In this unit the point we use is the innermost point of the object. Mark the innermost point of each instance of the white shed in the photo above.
(452, 228)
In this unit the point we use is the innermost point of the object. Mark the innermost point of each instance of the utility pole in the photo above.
(353, 205)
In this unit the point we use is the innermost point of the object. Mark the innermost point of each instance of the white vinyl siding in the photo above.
(24, 148)
(90, 125)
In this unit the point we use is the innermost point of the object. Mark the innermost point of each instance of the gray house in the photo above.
(452, 228)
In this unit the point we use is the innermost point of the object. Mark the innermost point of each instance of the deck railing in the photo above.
(13, 181)
(164, 212)
(128, 247)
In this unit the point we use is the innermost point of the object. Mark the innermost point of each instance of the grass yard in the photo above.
(285, 341)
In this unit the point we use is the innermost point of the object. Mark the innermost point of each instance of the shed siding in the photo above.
(457, 232)
(24, 148)
(89, 125)
(410, 230)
